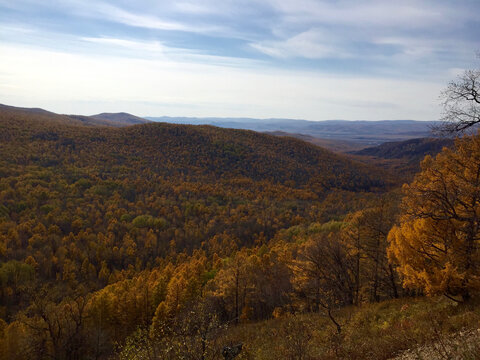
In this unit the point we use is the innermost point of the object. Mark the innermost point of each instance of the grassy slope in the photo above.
(406, 328)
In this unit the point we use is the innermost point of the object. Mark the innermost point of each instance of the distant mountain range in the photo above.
(367, 142)
(175, 151)
(120, 119)
(361, 132)
(104, 119)
(336, 135)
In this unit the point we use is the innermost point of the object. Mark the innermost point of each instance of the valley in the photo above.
(239, 180)
(156, 234)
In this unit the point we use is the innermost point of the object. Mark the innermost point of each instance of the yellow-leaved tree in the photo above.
(436, 243)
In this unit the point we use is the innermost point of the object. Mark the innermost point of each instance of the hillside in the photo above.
(332, 145)
(362, 132)
(410, 150)
(402, 157)
(12, 113)
(401, 329)
(107, 231)
(120, 119)
(181, 149)
(104, 119)
(187, 184)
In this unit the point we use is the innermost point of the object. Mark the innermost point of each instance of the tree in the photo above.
(55, 331)
(461, 103)
(365, 235)
(232, 284)
(436, 244)
(325, 274)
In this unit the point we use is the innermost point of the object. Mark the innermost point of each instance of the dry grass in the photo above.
(401, 329)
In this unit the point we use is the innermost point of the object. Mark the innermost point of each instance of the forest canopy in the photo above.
(160, 239)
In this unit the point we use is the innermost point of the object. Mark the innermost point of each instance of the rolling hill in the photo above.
(175, 150)
(366, 133)
(341, 146)
(411, 150)
(402, 158)
(120, 119)
(102, 227)
(190, 186)
(104, 119)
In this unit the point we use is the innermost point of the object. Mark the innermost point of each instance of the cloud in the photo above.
(269, 58)
(417, 46)
(151, 46)
(373, 13)
(111, 11)
(116, 14)
(324, 29)
(145, 87)
(311, 44)
(159, 51)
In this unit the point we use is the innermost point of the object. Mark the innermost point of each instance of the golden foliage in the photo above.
(436, 244)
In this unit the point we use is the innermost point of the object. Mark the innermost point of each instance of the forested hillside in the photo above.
(164, 241)
(402, 158)
(120, 119)
(104, 119)
(340, 146)
(239, 180)
(359, 132)
(85, 205)
(413, 150)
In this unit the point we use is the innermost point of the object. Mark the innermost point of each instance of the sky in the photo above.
(302, 59)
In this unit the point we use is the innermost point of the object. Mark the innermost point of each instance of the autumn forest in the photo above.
(166, 241)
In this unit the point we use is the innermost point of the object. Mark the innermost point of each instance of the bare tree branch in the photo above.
(461, 104)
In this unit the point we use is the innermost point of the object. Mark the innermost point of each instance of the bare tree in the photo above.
(461, 104)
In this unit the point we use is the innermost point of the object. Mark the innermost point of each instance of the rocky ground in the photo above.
(465, 345)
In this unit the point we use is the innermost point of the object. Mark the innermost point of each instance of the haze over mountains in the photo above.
(337, 135)
(361, 132)
(180, 149)
(364, 141)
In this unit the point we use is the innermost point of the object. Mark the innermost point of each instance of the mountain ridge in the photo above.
(362, 132)
(351, 133)
(104, 119)
(192, 150)
(120, 118)
(412, 150)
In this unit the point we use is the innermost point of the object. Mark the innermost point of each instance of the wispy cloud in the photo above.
(127, 84)
(260, 58)
(365, 14)
(158, 50)
(310, 44)
(152, 46)
(116, 14)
